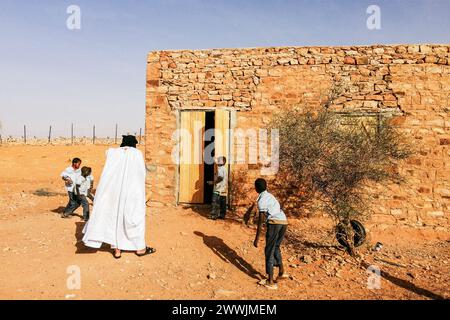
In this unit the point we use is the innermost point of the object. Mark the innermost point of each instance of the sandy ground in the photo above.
(197, 258)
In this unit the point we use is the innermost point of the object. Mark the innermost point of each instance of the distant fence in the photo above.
(72, 139)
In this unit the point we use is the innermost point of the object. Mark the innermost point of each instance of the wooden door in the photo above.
(191, 187)
(222, 126)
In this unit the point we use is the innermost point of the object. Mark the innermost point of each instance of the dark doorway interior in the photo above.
(209, 168)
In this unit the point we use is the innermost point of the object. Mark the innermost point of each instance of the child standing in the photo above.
(275, 219)
(219, 197)
(84, 185)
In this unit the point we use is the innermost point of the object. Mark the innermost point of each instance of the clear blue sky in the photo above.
(52, 75)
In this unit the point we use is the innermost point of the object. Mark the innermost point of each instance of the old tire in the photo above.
(359, 234)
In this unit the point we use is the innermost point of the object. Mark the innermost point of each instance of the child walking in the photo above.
(70, 177)
(275, 219)
(84, 185)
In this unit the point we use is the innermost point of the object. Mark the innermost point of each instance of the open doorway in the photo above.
(193, 187)
(209, 167)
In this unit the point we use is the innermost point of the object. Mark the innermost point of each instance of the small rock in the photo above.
(306, 259)
(349, 60)
(212, 276)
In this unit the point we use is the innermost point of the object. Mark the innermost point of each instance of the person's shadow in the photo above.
(81, 248)
(224, 252)
(60, 210)
(405, 284)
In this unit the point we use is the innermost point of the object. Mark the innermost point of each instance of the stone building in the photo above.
(223, 89)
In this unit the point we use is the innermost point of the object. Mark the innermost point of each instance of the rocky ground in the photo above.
(197, 258)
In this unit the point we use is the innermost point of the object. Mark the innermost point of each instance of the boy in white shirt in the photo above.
(84, 185)
(219, 197)
(271, 213)
(70, 176)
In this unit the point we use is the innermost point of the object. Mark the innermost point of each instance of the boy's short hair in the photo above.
(260, 185)
(76, 160)
(86, 171)
(223, 159)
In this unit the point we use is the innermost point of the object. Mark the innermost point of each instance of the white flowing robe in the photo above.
(118, 215)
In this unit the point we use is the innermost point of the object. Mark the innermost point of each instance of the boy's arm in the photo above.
(66, 178)
(261, 215)
(218, 178)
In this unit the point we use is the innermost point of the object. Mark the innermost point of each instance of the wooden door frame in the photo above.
(232, 125)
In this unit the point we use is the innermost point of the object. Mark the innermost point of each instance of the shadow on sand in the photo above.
(405, 284)
(224, 252)
(81, 248)
(60, 210)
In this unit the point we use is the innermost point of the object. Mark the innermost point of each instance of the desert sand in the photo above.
(197, 258)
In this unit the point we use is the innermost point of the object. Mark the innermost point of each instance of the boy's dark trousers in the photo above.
(85, 205)
(219, 206)
(72, 205)
(274, 237)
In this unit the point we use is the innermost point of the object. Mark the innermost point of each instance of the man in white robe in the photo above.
(118, 215)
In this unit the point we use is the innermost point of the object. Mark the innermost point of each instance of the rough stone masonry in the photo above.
(411, 82)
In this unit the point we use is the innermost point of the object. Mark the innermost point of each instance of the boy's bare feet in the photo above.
(283, 276)
(268, 284)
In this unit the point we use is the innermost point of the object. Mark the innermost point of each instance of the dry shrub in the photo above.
(332, 164)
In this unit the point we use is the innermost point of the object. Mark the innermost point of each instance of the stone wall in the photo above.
(411, 82)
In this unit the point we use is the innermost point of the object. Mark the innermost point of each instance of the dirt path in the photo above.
(196, 258)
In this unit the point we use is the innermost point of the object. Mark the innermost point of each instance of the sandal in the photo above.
(148, 250)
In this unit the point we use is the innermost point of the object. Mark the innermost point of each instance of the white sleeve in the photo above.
(262, 205)
(64, 173)
(221, 172)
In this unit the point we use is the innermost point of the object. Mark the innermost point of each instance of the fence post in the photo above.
(49, 134)
(25, 134)
(93, 135)
(140, 135)
(71, 133)
(115, 135)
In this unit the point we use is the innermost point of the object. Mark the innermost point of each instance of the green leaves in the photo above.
(337, 161)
